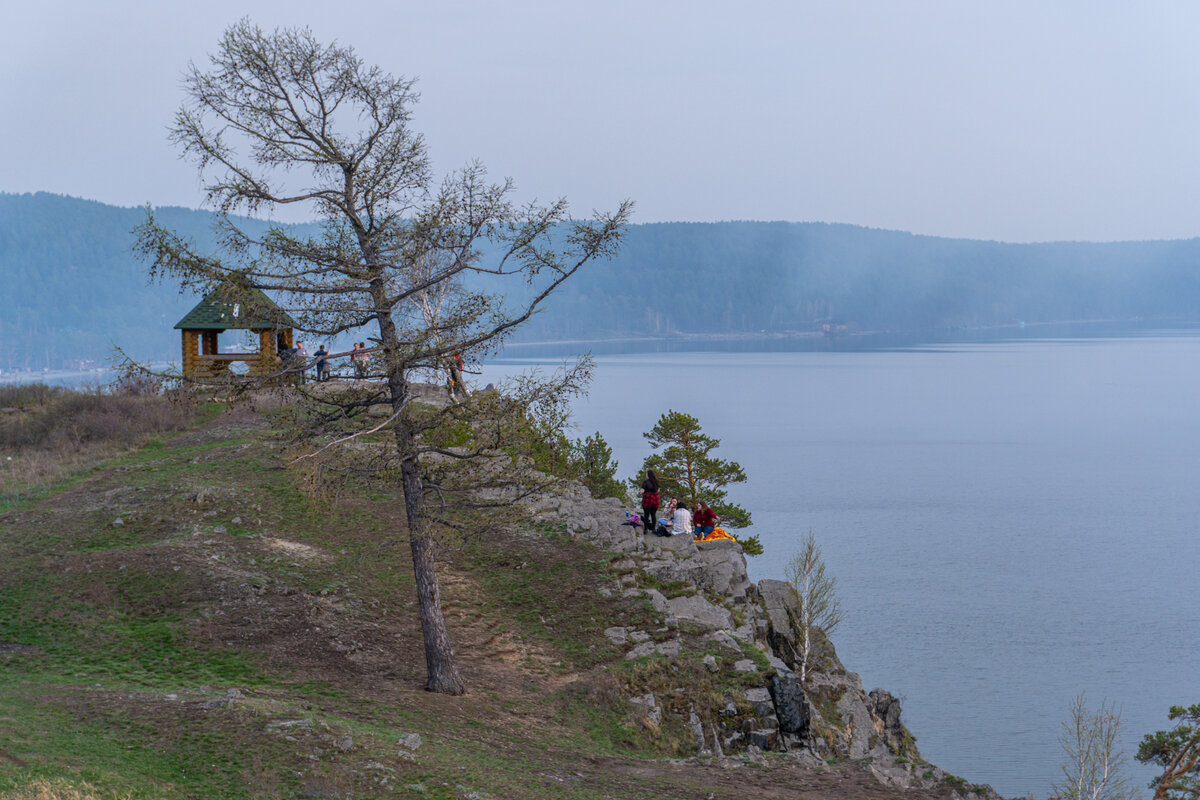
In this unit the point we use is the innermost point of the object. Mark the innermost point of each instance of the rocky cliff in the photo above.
(723, 661)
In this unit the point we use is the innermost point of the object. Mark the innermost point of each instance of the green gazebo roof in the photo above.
(232, 308)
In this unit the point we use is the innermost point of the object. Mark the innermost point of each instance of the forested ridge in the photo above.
(73, 288)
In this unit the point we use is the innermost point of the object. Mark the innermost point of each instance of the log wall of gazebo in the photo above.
(201, 358)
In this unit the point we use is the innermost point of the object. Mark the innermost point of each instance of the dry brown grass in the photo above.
(59, 790)
(47, 433)
(53, 417)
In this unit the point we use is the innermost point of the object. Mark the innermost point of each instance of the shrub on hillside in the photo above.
(44, 417)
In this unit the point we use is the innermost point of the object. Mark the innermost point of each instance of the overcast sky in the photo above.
(1016, 121)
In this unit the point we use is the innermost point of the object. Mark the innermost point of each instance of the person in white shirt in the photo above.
(681, 520)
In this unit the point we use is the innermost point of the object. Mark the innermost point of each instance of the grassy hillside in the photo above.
(178, 619)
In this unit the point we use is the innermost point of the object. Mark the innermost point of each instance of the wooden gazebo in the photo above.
(232, 308)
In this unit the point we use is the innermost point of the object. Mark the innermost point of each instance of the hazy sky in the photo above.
(1017, 121)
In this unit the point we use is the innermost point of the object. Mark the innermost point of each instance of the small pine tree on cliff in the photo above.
(1177, 751)
(687, 470)
(597, 469)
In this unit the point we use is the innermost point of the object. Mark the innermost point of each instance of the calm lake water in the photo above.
(1011, 522)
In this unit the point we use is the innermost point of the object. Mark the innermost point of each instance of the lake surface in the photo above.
(1011, 522)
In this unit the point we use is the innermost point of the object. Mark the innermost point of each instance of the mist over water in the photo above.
(1011, 522)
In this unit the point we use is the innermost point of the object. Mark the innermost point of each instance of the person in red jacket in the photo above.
(649, 502)
(705, 520)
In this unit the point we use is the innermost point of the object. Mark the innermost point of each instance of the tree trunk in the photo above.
(439, 654)
(804, 651)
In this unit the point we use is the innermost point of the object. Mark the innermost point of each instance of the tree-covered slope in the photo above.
(73, 288)
(750, 276)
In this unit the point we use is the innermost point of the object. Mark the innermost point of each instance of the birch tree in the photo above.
(818, 606)
(1095, 763)
(280, 120)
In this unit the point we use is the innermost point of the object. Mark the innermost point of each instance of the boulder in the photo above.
(764, 709)
(885, 710)
(777, 663)
(724, 569)
(764, 739)
(584, 527)
(679, 545)
(671, 649)
(779, 601)
(671, 570)
(616, 634)
(658, 600)
(697, 730)
(890, 773)
(745, 633)
(851, 730)
(696, 609)
(790, 706)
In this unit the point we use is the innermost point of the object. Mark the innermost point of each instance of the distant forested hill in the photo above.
(72, 287)
(775, 276)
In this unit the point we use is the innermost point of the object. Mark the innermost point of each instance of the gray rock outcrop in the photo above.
(791, 707)
(708, 603)
(697, 610)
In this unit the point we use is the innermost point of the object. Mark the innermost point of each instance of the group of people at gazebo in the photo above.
(296, 360)
(229, 307)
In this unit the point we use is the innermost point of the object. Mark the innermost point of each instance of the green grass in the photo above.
(757, 656)
(117, 749)
(107, 614)
(549, 588)
(136, 636)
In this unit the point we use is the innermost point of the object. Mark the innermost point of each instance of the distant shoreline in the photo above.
(76, 377)
(801, 335)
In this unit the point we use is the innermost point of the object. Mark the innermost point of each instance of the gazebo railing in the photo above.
(219, 365)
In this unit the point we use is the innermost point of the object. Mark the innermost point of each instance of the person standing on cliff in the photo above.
(302, 362)
(649, 502)
(457, 385)
(322, 365)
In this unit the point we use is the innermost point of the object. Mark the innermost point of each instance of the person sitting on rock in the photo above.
(704, 520)
(682, 519)
(666, 519)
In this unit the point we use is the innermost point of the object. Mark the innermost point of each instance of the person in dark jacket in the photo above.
(649, 502)
(322, 363)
